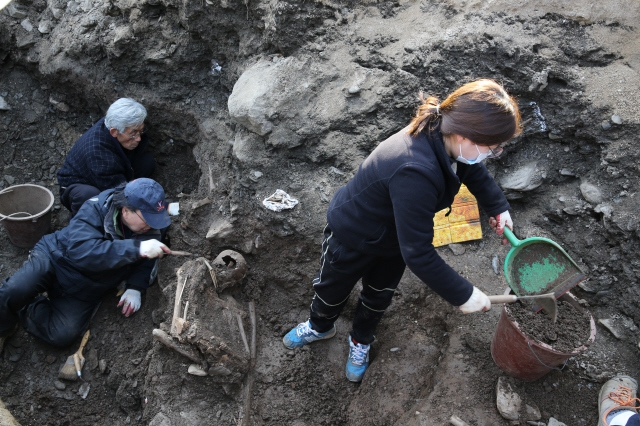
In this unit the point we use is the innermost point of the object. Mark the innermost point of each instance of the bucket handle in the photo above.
(548, 366)
(9, 215)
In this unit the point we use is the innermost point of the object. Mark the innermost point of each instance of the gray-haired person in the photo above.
(109, 154)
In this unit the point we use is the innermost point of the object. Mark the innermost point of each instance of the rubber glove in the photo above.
(476, 303)
(130, 302)
(153, 249)
(499, 222)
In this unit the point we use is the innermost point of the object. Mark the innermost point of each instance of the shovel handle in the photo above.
(508, 233)
(503, 298)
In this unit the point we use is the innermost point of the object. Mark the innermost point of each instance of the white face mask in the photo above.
(477, 160)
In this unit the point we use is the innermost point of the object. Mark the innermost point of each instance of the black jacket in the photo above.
(389, 205)
(99, 160)
(93, 255)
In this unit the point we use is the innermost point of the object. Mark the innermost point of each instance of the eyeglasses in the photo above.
(496, 152)
(136, 134)
(493, 153)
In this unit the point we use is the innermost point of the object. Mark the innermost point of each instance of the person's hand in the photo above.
(153, 249)
(130, 302)
(499, 222)
(476, 303)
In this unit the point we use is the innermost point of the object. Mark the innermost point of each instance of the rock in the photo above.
(45, 27)
(605, 209)
(605, 125)
(122, 34)
(609, 325)
(92, 359)
(219, 370)
(591, 193)
(219, 229)
(10, 179)
(57, 13)
(394, 349)
(16, 11)
(539, 80)
(567, 172)
(354, 89)
(249, 101)
(507, 401)
(457, 249)
(249, 148)
(83, 391)
(616, 119)
(102, 364)
(27, 25)
(196, 370)
(26, 41)
(60, 106)
(554, 137)
(59, 385)
(4, 106)
(522, 180)
(532, 412)
(554, 422)
(160, 420)
(495, 264)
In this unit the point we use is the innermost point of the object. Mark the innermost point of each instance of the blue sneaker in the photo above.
(303, 334)
(358, 360)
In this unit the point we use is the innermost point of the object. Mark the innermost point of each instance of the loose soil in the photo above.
(328, 82)
(570, 331)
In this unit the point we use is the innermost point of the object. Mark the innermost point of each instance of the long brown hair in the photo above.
(481, 111)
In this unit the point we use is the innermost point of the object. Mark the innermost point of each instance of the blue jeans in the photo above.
(58, 319)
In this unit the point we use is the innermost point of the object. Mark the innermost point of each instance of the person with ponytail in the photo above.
(382, 220)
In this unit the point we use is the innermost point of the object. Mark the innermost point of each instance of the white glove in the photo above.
(130, 302)
(476, 303)
(499, 222)
(153, 249)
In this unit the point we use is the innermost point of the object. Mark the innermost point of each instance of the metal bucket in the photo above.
(25, 212)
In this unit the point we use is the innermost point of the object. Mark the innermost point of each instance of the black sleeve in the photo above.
(414, 196)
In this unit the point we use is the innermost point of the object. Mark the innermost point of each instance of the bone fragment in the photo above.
(184, 350)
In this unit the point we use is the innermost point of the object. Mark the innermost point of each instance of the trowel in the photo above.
(546, 301)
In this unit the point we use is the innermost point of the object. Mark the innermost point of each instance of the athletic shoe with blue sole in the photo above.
(303, 334)
(358, 361)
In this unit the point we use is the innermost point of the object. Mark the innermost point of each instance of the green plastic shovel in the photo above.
(539, 265)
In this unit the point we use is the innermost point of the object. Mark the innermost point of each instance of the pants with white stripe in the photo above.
(340, 270)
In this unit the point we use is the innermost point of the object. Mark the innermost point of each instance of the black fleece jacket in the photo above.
(389, 205)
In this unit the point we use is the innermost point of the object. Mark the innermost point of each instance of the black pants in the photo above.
(340, 270)
(74, 195)
(58, 319)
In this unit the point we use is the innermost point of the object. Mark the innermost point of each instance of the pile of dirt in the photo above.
(571, 330)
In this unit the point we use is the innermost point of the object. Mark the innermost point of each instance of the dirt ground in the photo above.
(248, 97)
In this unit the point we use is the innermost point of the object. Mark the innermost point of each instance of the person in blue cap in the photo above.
(114, 238)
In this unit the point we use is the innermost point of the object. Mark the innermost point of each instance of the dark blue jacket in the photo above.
(389, 205)
(91, 257)
(99, 160)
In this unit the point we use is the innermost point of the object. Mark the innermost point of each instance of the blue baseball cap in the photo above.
(147, 196)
